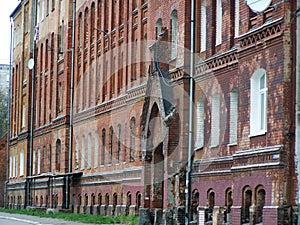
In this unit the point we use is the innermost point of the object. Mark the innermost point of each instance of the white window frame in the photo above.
(233, 117)
(237, 18)
(203, 26)
(96, 156)
(82, 153)
(200, 124)
(219, 18)
(39, 162)
(89, 151)
(215, 120)
(174, 38)
(22, 162)
(258, 103)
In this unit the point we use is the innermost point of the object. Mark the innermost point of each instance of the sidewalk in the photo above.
(35, 220)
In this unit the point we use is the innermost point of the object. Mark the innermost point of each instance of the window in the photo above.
(174, 35)
(219, 22)
(132, 139)
(103, 146)
(111, 138)
(158, 27)
(76, 153)
(33, 162)
(237, 18)
(43, 9)
(119, 144)
(233, 116)
(203, 26)
(258, 103)
(215, 120)
(10, 166)
(62, 37)
(22, 165)
(24, 115)
(96, 156)
(200, 124)
(39, 162)
(89, 150)
(82, 152)
(58, 155)
(53, 5)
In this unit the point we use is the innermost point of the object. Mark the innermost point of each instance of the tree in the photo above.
(3, 112)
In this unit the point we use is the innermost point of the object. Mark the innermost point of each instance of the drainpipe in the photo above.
(71, 105)
(8, 113)
(191, 114)
(34, 7)
(297, 112)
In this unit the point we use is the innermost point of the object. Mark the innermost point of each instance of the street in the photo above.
(18, 219)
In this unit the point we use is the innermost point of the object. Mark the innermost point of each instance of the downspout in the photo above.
(8, 112)
(32, 102)
(71, 105)
(191, 114)
(297, 107)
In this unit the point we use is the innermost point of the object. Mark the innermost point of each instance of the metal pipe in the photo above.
(191, 114)
(8, 112)
(34, 7)
(297, 106)
(71, 105)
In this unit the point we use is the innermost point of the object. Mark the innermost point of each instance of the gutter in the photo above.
(71, 106)
(297, 106)
(191, 114)
(8, 113)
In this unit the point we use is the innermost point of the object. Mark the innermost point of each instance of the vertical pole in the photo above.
(191, 114)
(71, 106)
(297, 111)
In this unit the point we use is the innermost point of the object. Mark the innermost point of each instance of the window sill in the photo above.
(258, 133)
(232, 144)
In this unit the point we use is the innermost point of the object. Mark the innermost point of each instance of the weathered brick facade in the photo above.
(108, 128)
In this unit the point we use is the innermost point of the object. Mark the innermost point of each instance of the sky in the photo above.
(6, 8)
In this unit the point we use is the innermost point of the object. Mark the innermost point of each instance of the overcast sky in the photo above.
(6, 8)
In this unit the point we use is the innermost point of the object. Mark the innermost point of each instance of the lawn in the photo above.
(83, 218)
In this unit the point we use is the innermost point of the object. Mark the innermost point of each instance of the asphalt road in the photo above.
(18, 219)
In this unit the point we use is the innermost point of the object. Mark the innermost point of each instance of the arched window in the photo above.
(115, 202)
(138, 202)
(174, 34)
(158, 27)
(247, 202)
(92, 24)
(132, 139)
(195, 203)
(82, 153)
(258, 103)
(211, 204)
(99, 199)
(128, 202)
(228, 204)
(80, 30)
(58, 155)
(103, 147)
(260, 203)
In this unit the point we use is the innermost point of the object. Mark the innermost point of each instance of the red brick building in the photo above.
(102, 121)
